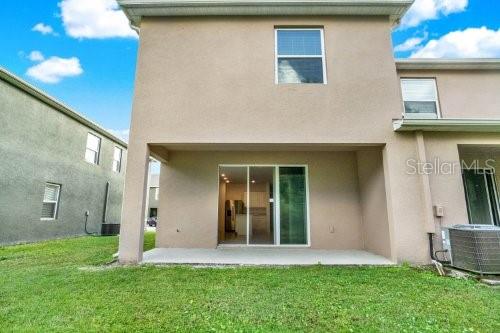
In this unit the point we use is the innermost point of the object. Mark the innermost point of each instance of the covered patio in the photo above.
(339, 188)
(262, 256)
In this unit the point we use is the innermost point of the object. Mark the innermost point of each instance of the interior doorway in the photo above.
(232, 208)
(263, 205)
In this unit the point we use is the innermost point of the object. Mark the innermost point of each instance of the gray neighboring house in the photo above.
(55, 165)
(154, 193)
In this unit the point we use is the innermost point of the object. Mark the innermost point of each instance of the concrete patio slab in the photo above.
(262, 256)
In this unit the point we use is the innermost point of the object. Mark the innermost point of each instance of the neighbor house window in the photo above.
(50, 201)
(93, 147)
(300, 56)
(420, 98)
(117, 159)
(157, 193)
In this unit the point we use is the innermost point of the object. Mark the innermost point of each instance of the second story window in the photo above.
(420, 98)
(117, 159)
(300, 56)
(93, 148)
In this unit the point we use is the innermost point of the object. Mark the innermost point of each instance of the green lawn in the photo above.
(64, 286)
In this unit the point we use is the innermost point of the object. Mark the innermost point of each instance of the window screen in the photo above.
(117, 159)
(50, 201)
(93, 147)
(300, 56)
(420, 98)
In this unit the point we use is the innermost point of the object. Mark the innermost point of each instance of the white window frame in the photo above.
(277, 236)
(276, 56)
(119, 161)
(56, 202)
(438, 109)
(98, 152)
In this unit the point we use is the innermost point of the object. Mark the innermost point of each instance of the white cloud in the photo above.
(120, 133)
(411, 43)
(94, 19)
(54, 69)
(423, 10)
(44, 29)
(36, 56)
(469, 43)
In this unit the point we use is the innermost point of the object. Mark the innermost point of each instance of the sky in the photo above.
(83, 52)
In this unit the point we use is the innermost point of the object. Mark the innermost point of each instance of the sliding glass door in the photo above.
(274, 200)
(481, 196)
(292, 205)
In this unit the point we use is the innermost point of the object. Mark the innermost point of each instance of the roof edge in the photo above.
(17, 82)
(136, 9)
(448, 64)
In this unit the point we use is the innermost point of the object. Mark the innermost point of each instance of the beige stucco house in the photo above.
(290, 124)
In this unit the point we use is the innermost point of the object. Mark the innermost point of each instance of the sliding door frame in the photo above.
(486, 172)
(276, 220)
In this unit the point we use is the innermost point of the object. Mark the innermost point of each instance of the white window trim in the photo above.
(56, 202)
(119, 161)
(438, 109)
(276, 202)
(98, 152)
(276, 56)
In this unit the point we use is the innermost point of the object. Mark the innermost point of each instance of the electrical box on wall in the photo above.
(438, 211)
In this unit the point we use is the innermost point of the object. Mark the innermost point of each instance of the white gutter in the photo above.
(447, 125)
(136, 9)
(448, 64)
(43, 97)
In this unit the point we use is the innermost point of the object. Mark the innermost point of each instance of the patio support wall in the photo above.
(375, 224)
(404, 201)
(134, 204)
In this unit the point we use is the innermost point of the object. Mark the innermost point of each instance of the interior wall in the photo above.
(189, 196)
(375, 224)
(236, 191)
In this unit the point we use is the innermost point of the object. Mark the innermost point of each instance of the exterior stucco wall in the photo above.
(37, 145)
(447, 187)
(464, 94)
(189, 196)
(373, 202)
(405, 193)
(212, 80)
(404, 202)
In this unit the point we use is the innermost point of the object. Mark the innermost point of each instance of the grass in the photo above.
(63, 285)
